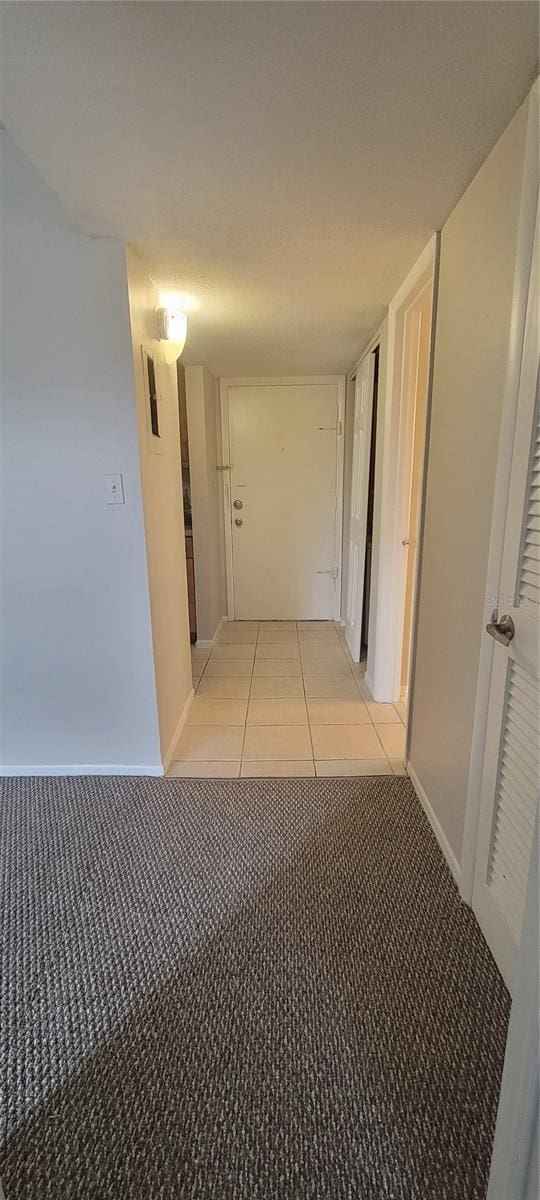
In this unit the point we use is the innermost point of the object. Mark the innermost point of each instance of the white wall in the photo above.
(77, 677)
(163, 516)
(202, 399)
(478, 252)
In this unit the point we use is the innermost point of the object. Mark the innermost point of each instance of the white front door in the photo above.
(511, 776)
(363, 409)
(283, 445)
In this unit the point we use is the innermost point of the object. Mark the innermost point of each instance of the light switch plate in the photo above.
(114, 489)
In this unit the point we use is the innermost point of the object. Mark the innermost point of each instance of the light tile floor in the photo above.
(284, 698)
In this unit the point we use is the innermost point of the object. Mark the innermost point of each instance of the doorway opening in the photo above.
(387, 487)
(370, 508)
(362, 504)
(186, 498)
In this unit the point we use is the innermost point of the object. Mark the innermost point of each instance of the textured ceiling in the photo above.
(283, 163)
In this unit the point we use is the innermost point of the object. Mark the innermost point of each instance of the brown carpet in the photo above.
(240, 990)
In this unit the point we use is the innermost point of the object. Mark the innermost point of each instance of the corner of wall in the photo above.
(163, 513)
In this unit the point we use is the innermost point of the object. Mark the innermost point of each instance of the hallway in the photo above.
(269, 370)
(284, 698)
(240, 990)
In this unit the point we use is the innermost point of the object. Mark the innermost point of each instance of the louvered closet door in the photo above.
(511, 772)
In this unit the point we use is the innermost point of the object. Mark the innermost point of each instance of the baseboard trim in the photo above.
(168, 757)
(59, 769)
(435, 824)
(386, 700)
(208, 643)
(369, 682)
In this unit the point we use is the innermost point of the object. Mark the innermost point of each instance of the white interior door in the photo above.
(363, 409)
(283, 443)
(511, 776)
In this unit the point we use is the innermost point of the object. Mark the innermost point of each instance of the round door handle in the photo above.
(238, 521)
(406, 542)
(237, 504)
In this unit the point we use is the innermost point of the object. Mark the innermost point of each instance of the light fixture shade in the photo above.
(172, 327)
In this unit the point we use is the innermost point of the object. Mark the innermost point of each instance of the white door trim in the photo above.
(376, 342)
(340, 457)
(404, 467)
(373, 342)
(384, 652)
(518, 1103)
(280, 381)
(224, 468)
(360, 472)
(522, 270)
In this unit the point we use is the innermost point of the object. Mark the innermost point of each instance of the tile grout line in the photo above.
(344, 651)
(305, 700)
(386, 757)
(304, 686)
(306, 703)
(249, 700)
(304, 665)
(201, 676)
(303, 689)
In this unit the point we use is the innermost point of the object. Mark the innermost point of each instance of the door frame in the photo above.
(361, 575)
(520, 295)
(376, 342)
(404, 468)
(225, 465)
(406, 463)
(383, 674)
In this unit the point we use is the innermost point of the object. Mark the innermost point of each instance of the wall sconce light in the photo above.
(172, 328)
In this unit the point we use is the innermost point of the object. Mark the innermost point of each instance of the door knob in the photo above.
(406, 542)
(237, 504)
(503, 630)
(238, 521)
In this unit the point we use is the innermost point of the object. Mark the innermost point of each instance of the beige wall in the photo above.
(163, 516)
(204, 453)
(478, 251)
